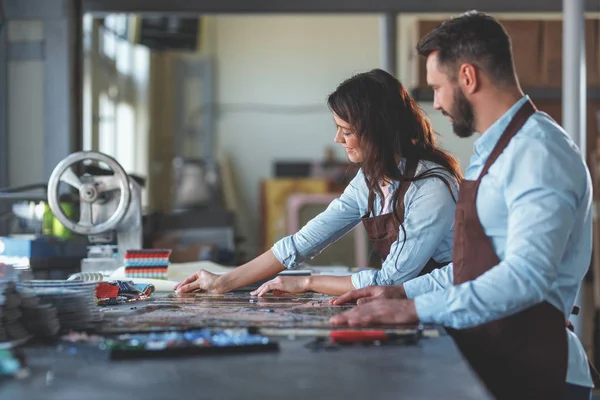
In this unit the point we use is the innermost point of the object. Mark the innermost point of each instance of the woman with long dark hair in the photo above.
(404, 193)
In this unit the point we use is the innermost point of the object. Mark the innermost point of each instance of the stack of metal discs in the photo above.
(11, 328)
(75, 302)
(40, 320)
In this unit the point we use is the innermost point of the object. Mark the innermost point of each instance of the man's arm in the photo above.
(438, 279)
(543, 188)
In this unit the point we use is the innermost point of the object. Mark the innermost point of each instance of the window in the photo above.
(116, 81)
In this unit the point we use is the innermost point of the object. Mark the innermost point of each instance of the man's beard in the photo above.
(463, 119)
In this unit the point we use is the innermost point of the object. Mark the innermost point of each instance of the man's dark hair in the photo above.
(475, 38)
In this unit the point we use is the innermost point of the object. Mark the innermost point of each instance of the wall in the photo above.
(25, 108)
(273, 77)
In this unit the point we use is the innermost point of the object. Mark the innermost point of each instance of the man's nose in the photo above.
(436, 105)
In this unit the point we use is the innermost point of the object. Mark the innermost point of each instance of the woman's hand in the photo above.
(283, 284)
(202, 280)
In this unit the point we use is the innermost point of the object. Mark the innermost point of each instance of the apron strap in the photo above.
(526, 110)
(409, 172)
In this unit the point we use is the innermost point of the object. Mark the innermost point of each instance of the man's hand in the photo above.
(370, 293)
(283, 284)
(379, 312)
(201, 281)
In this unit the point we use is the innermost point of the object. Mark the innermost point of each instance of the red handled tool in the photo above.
(366, 336)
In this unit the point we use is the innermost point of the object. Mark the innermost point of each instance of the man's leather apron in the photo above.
(523, 356)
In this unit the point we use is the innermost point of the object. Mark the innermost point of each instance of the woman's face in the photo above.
(346, 136)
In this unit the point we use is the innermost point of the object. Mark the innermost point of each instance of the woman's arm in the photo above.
(330, 285)
(262, 267)
(340, 217)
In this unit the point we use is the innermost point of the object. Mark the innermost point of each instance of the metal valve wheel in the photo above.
(91, 189)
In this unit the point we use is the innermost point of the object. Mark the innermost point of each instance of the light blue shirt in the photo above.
(428, 221)
(535, 205)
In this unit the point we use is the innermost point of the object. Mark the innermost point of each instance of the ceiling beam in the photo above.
(326, 6)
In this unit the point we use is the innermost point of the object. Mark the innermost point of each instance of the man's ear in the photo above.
(468, 78)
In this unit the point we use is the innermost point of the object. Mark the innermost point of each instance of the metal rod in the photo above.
(58, 92)
(4, 153)
(388, 39)
(17, 197)
(574, 96)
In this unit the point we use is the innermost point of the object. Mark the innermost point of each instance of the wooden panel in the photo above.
(593, 128)
(423, 28)
(526, 50)
(592, 57)
(552, 53)
(526, 45)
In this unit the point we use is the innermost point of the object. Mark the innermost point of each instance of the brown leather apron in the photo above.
(523, 356)
(383, 229)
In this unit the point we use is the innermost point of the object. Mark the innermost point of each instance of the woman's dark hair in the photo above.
(390, 125)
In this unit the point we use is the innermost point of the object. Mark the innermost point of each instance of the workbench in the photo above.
(432, 369)
(429, 368)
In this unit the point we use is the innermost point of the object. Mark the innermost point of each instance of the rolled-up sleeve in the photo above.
(428, 219)
(438, 279)
(340, 217)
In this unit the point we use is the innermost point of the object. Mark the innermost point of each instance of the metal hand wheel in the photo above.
(91, 188)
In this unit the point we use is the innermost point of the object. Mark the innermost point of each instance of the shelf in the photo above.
(593, 93)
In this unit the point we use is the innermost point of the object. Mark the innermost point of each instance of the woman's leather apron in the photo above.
(383, 229)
